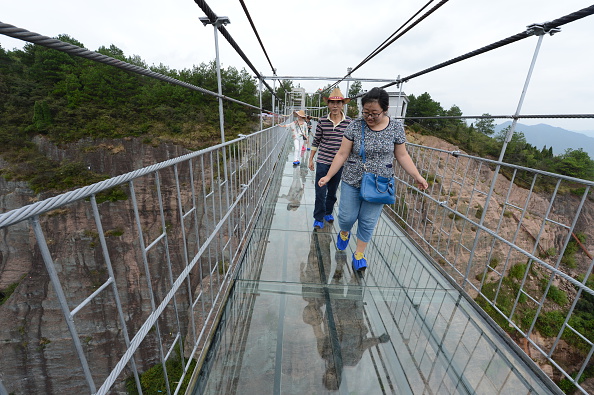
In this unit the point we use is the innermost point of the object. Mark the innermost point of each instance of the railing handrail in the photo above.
(41, 207)
(457, 153)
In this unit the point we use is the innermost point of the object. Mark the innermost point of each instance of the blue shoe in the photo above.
(329, 218)
(296, 163)
(342, 241)
(309, 149)
(318, 225)
(359, 262)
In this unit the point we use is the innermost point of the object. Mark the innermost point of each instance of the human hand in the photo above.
(311, 165)
(422, 184)
(323, 181)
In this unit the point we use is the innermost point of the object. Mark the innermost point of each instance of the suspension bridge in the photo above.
(234, 285)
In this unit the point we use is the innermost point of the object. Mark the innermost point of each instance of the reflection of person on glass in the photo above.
(342, 336)
(295, 191)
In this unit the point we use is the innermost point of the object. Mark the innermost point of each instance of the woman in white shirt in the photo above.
(300, 133)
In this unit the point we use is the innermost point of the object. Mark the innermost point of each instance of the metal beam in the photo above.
(279, 77)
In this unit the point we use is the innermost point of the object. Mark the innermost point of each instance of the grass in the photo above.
(5, 293)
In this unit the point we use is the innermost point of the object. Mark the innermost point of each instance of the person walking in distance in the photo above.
(384, 142)
(325, 145)
(300, 134)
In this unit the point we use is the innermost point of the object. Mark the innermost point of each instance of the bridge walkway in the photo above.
(299, 321)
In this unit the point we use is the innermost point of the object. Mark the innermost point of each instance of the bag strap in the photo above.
(299, 127)
(362, 149)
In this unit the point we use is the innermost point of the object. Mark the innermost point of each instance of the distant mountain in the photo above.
(551, 136)
(589, 133)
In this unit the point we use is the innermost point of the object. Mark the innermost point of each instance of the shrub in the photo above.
(549, 323)
(558, 296)
(518, 270)
(153, 380)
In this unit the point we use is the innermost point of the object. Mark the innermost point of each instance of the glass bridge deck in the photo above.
(299, 321)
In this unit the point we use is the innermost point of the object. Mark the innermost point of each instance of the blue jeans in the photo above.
(352, 208)
(326, 195)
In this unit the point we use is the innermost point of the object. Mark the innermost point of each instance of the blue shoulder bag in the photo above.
(375, 188)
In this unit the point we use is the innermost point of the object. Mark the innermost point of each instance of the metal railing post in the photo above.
(220, 21)
(534, 29)
(260, 97)
(540, 32)
(273, 98)
(51, 270)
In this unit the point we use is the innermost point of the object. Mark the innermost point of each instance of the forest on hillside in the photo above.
(480, 139)
(66, 98)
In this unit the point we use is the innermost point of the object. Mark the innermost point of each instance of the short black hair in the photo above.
(377, 95)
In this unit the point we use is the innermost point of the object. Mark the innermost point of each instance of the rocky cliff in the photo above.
(33, 333)
(517, 214)
(32, 330)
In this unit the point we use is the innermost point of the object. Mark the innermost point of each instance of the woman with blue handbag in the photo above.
(369, 146)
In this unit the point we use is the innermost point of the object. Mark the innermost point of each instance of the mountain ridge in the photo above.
(552, 136)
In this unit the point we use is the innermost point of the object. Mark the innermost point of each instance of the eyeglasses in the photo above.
(372, 115)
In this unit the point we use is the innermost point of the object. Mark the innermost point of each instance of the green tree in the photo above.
(424, 106)
(486, 125)
(283, 87)
(575, 163)
(42, 116)
(355, 89)
(454, 111)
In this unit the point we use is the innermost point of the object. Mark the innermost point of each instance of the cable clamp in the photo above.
(539, 29)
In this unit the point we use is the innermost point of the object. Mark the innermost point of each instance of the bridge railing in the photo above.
(518, 241)
(154, 263)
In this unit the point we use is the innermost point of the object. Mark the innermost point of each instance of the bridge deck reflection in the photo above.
(299, 321)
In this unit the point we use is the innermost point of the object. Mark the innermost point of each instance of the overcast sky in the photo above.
(324, 38)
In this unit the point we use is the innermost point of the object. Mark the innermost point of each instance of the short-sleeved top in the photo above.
(379, 150)
(298, 131)
(328, 138)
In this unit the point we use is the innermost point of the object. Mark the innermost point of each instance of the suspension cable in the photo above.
(390, 40)
(213, 18)
(517, 37)
(249, 17)
(35, 38)
(533, 116)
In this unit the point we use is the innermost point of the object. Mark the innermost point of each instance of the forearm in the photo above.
(407, 164)
(337, 163)
(405, 161)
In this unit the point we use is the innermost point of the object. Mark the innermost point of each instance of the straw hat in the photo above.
(336, 94)
(300, 113)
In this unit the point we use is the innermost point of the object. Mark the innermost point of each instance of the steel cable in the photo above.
(517, 37)
(213, 18)
(505, 116)
(249, 17)
(35, 38)
(17, 215)
(390, 40)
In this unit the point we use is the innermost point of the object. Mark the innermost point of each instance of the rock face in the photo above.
(516, 214)
(36, 354)
(504, 213)
(35, 348)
